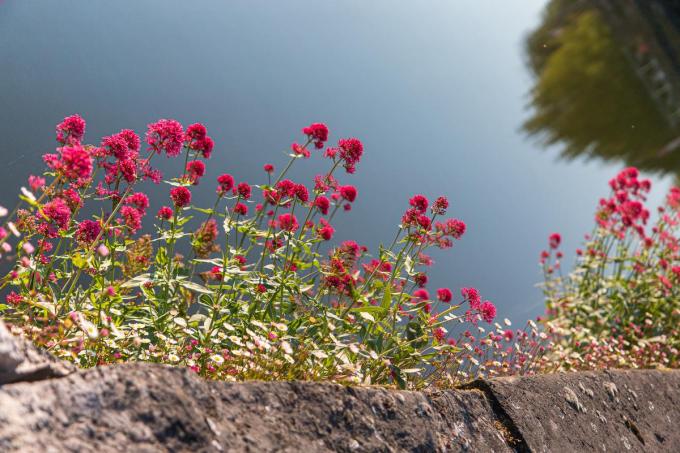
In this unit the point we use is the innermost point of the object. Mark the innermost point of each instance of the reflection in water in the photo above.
(608, 81)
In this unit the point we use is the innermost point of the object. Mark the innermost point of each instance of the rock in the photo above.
(144, 407)
(21, 361)
(626, 410)
(45, 406)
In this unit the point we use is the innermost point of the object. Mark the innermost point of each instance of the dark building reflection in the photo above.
(608, 81)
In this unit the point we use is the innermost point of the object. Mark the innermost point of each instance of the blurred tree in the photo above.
(587, 95)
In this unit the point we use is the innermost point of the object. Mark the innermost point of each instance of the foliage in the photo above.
(259, 294)
(620, 305)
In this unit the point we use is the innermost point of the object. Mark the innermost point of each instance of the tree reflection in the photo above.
(607, 82)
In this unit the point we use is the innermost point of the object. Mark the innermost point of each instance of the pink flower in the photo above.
(325, 231)
(269, 168)
(555, 240)
(440, 206)
(472, 296)
(165, 213)
(139, 200)
(241, 209)
(444, 295)
(14, 298)
(419, 203)
(243, 190)
(72, 199)
(439, 334)
(75, 163)
(318, 133)
(349, 193)
(198, 140)
(71, 130)
(181, 196)
(103, 250)
(225, 183)
(288, 222)
(351, 150)
(488, 311)
(195, 169)
(420, 295)
(301, 193)
(322, 203)
(300, 150)
(88, 231)
(131, 139)
(420, 279)
(58, 212)
(36, 182)
(132, 218)
(165, 135)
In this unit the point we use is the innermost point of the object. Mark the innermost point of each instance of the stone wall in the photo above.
(48, 406)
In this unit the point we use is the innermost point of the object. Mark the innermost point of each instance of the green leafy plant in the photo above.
(244, 289)
(620, 305)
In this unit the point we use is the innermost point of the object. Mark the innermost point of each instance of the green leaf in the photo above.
(195, 287)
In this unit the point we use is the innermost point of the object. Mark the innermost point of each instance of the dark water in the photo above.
(519, 117)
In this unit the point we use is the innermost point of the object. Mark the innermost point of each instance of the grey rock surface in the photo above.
(21, 361)
(610, 411)
(46, 406)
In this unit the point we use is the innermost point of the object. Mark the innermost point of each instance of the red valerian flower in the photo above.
(439, 334)
(75, 163)
(132, 218)
(326, 231)
(165, 213)
(269, 168)
(300, 150)
(420, 295)
(318, 133)
(71, 130)
(419, 203)
(196, 131)
(555, 240)
(350, 151)
(88, 231)
(444, 295)
(118, 145)
(488, 311)
(349, 193)
(165, 135)
(440, 206)
(472, 296)
(195, 170)
(216, 272)
(36, 183)
(72, 199)
(288, 222)
(225, 183)
(241, 209)
(322, 203)
(14, 299)
(198, 140)
(420, 279)
(58, 212)
(139, 201)
(181, 196)
(301, 193)
(243, 190)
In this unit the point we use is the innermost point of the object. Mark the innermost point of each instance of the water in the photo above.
(440, 93)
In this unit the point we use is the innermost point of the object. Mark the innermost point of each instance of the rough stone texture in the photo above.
(21, 361)
(611, 411)
(46, 407)
(155, 408)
